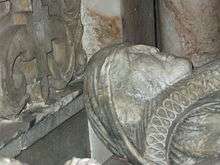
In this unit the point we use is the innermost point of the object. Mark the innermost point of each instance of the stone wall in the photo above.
(190, 28)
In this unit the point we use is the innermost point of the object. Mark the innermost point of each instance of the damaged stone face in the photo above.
(41, 52)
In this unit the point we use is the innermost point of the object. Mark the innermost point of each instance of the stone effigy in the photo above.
(41, 52)
(146, 106)
(151, 107)
(155, 108)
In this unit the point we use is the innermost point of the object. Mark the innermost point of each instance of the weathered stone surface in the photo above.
(139, 21)
(102, 24)
(213, 161)
(203, 142)
(6, 161)
(41, 52)
(116, 161)
(76, 161)
(134, 108)
(41, 66)
(17, 135)
(190, 28)
(69, 139)
(150, 108)
(98, 149)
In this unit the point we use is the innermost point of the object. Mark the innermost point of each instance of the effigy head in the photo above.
(129, 77)
(136, 96)
(146, 69)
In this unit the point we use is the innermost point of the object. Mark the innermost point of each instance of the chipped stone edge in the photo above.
(48, 122)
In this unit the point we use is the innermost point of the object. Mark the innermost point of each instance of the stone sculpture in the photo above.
(74, 161)
(7, 161)
(77, 161)
(41, 52)
(151, 107)
(146, 106)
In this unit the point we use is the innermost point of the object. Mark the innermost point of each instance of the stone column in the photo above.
(138, 18)
(190, 28)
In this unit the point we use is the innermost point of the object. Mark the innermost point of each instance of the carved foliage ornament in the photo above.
(41, 51)
(152, 108)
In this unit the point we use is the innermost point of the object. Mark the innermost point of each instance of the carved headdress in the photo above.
(136, 101)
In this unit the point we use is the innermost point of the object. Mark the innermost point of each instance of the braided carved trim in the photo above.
(173, 105)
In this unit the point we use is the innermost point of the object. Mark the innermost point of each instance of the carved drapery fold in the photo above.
(150, 107)
(136, 108)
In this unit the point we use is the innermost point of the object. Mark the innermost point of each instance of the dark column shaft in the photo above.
(138, 17)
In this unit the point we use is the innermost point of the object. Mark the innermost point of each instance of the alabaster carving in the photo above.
(151, 107)
(41, 52)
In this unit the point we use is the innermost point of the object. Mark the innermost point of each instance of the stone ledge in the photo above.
(19, 134)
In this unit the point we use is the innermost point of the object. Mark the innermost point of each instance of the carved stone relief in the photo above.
(155, 108)
(146, 105)
(41, 52)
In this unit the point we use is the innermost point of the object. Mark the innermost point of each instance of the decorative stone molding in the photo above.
(41, 52)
